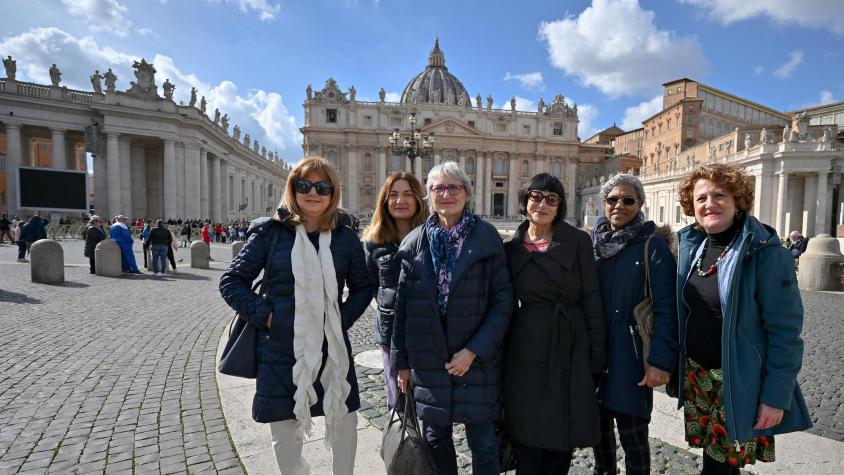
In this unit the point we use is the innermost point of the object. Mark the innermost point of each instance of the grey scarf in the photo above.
(607, 242)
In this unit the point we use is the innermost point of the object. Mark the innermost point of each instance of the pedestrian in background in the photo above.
(171, 250)
(121, 235)
(625, 391)
(32, 231)
(740, 326)
(94, 233)
(400, 208)
(5, 228)
(159, 240)
(144, 237)
(205, 233)
(797, 244)
(185, 235)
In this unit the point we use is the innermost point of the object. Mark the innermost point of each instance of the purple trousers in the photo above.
(391, 385)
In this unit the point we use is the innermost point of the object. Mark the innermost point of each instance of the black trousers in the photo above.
(171, 257)
(91, 261)
(633, 432)
(536, 461)
(714, 467)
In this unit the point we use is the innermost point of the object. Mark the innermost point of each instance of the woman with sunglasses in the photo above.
(556, 340)
(625, 391)
(401, 207)
(304, 363)
(453, 306)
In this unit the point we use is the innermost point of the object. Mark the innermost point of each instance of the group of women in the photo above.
(537, 333)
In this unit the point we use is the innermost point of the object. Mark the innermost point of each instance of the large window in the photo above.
(332, 157)
(558, 128)
(331, 115)
(470, 166)
(499, 166)
(367, 162)
(556, 169)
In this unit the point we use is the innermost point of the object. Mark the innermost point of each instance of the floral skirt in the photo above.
(703, 409)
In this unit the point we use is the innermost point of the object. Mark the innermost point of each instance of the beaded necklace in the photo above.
(714, 267)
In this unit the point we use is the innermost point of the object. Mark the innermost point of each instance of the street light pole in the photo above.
(413, 145)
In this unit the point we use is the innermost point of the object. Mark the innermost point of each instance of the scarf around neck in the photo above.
(607, 242)
(445, 248)
(317, 316)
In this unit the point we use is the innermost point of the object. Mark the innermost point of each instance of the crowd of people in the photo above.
(554, 339)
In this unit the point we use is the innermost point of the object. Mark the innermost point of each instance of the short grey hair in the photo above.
(449, 169)
(623, 179)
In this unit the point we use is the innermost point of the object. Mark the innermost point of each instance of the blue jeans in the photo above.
(159, 258)
(21, 249)
(482, 444)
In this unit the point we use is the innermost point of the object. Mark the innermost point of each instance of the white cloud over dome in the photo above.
(616, 46)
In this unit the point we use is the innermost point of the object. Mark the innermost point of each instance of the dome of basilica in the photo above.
(435, 85)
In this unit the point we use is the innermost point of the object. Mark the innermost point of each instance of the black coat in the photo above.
(274, 386)
(93, 236)
(159, 237)
(384, 275)
(478, 314)
(555, 344)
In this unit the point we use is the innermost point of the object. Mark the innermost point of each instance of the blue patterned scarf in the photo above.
(445, 248)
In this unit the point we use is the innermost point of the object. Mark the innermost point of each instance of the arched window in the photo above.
(367, 162)
(525, 168)
(499, 166)
(470, 166)
(449, 158)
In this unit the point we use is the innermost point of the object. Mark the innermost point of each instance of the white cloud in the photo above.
(530, 81)
(758, 70)
(615, 46)
(392, 97)
(522, 104)
(633, 116)
(101, 15)
(265, 9)
(587, 113)
(826, 97)
(825, 14)
(786, 69)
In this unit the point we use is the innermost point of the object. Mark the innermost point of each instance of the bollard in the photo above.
(236, 247)
(200, 254)
(819, 268)
(46, 260)
(107, 259)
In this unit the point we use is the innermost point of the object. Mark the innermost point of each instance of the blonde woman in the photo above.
(303, 352)
(401, 208)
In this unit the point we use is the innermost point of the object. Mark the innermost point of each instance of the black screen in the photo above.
(43, 188)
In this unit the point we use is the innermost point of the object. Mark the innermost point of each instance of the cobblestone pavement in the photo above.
(111, 375)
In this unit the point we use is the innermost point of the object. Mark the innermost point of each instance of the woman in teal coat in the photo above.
(740, 317)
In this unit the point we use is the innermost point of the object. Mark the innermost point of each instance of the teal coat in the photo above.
(761, 348)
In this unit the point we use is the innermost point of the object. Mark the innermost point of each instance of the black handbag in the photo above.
(403, 446)
(238, 357)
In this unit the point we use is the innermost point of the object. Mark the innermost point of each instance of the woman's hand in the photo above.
(460, 362)
(655, 377)
(767, 417)
(269, 321)
(403, 380)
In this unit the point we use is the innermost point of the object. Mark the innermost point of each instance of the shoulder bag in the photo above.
(644, 312)
(403, 446)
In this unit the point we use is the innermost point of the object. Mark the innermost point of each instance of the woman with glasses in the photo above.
(556, 340)
(303, 353)
(400, 208)
(625, 391)
(452, 310)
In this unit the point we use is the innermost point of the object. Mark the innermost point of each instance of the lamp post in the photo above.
(414, 144)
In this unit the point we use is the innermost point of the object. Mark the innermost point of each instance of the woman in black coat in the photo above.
(303, 353)
(555, 346)
(94, 233)
(453, 306)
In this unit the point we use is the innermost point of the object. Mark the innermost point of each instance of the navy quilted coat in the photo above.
(274, 383)
(478, 315)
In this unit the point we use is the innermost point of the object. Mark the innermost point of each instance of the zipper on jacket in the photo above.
(633, 340)
(730, 301)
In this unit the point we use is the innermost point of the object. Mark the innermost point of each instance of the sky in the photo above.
(253, 59)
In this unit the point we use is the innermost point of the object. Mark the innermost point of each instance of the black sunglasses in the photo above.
(323, 188)
(537, 197)
(626, 201)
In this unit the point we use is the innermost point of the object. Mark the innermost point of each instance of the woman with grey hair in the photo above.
(625, 389)
(94, 233)
(452, 310)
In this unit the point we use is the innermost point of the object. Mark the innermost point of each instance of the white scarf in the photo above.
(317, 315)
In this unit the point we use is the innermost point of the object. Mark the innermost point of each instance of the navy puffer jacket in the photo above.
(384, 274)
(274, 353)
(478, 314)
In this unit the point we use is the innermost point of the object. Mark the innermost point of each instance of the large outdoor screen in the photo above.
(52, 190)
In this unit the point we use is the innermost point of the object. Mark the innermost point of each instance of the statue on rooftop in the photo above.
(246, 140)
(513, 104)
(763, 136)
(478, 101)
(144, 85)
(55, 75)
(168, 87)
(225, 123)
(192, 97)
(382, 94)
(236, 133)
(463, 100)
(202, 105)
(352, 93)
(489, 102)
(217, 115)
(96, 81)
(11, 67)
(747, 141)
(110, 81)
(309, 92)
(541, 107)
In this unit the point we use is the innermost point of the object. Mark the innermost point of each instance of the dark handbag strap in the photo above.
(647, 260)
(263, 282)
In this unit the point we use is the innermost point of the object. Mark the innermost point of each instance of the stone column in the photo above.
(570, 180)
(125, 148)
(782, 190)
(224, 190)
(821, 221)
(352, 183)
(193, 208)
(170, 187)
(139, 183)
(115, 205)
(180, 181)
(488, 186)
(203, 190)
(480, 179)
(59, 149)
(14, 158)
(216, 209)
(513, 187)
(382, 166)
(810, 202)
(100, 187)
(539, 164)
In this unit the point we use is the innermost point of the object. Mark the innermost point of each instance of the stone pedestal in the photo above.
(200, 254)
(236, 247)
(819, 269)
(46, 261)
(107, 259)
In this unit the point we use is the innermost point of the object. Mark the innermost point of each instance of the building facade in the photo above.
(151, 157)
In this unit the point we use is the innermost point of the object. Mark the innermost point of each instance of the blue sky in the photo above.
(254, 58)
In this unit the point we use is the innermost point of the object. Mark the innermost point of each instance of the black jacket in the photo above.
(93, 236)
(555, 344)
(159, 237)
(274, 353)
(384, 275)
(479, 306)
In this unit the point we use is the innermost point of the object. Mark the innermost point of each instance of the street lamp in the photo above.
(414, 144)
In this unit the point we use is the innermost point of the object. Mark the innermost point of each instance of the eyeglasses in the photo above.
(626, 201)
(550, 199)
(323, 188)
(452, 190)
